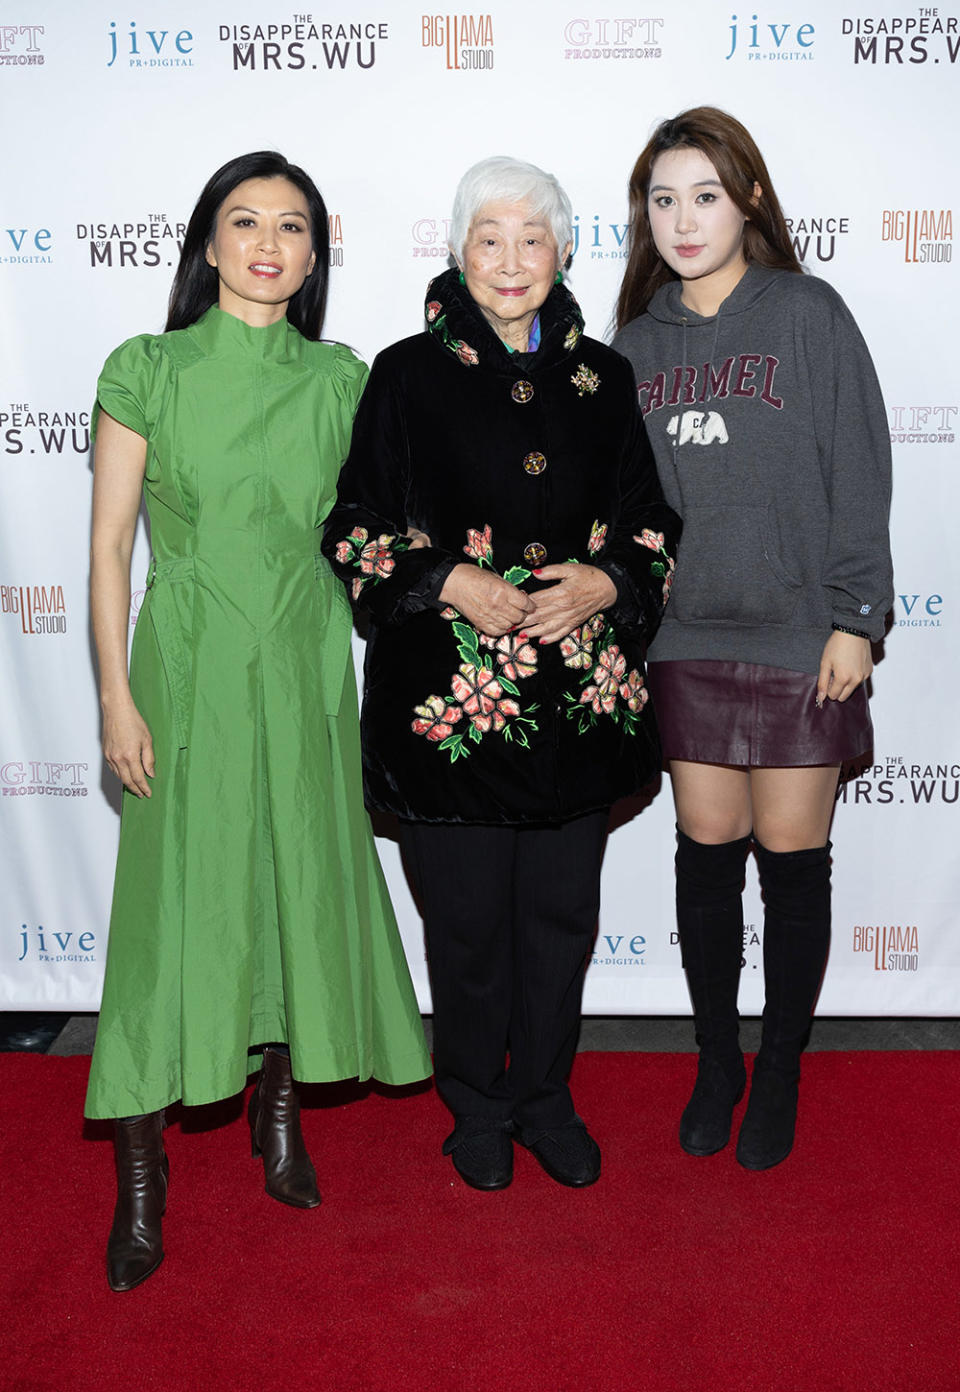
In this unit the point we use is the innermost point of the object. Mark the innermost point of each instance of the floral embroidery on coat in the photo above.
(437, 320)
(572, 338)
(484, 696)
(598, 535)
(606, 688)
(577, 648)
(585, 380)
(517, 656)
(663, 570)
(373, 557)
(480, 544)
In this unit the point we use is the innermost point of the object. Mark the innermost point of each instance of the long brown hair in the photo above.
(731, 150)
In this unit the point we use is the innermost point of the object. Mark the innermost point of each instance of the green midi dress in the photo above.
(249, 905)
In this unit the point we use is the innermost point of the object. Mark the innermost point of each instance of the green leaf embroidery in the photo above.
(516, 575)
(469, 645)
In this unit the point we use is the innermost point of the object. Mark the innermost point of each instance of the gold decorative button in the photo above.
(521, 391)
(534, 462)
(535, 553)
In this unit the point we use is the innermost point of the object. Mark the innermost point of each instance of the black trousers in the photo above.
(510, 914)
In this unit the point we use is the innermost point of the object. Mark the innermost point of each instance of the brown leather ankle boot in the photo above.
(274, 1116)
(135, 1245)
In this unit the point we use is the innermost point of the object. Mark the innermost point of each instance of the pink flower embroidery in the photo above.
(601, 694)
(435, 718)
(356, 587)
(517, 657)
(654, 540)
(433, 309)
(375, 558)
(577, 648)
(480, 544)
(598, 535)
(467, 355)
(449, 613)
(634, 692)
(668, 578)
(347, 548)
(482, 699)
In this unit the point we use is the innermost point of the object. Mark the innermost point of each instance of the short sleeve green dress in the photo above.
(249, 905)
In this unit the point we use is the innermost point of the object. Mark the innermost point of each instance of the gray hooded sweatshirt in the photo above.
(771, 441)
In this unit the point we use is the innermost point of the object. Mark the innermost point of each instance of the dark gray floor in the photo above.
(656, 1034)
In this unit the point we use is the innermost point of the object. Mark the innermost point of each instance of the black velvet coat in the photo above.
(509, 462)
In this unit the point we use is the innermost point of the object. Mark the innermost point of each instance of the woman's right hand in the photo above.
(491, 604)
(128, 748)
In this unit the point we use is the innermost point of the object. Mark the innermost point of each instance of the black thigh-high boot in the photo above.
(796, 939)
(710, 926)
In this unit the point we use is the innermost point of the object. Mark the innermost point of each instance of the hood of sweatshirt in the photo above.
(754, 284)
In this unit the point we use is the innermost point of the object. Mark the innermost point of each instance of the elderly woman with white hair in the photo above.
(500, 518)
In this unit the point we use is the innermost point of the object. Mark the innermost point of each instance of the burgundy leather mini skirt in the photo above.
(759, 717)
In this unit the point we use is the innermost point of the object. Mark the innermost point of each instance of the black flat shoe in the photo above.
(568, 1153)
(766, 1136)
(707, 1117)
(482, 1152)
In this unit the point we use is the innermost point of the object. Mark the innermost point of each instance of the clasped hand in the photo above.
(495, 607)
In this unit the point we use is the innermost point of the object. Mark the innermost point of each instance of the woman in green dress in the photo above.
(250, 916)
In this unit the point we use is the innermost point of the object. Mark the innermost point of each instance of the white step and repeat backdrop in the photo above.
(112, 121)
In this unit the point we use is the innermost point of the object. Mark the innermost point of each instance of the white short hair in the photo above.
(501, 179)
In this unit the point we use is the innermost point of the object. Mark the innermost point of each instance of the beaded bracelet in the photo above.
(854, 632)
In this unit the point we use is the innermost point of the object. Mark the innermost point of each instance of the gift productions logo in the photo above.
(430, 238)
(926, 36)
(926, 234)
(42, 944)
(148, 49)
(153, 240)
(760, 40)
(893, 782)
(27, 778)
(890, 947)
(20, 46)
(816, 237)
(617, 950)
(601, 240)
(25, 246)
(613, 39)
(923, 425)
(46, 432)
(335, 231)
(300, 45)
(465, 41)
(38, 610)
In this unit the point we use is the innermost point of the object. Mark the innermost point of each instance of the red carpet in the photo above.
(838, 1270)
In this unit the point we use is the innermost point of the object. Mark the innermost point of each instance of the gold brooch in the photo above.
(585, 380)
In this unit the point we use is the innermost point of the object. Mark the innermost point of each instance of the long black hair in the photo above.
(196, 285)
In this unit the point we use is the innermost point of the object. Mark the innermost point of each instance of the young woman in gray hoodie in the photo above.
(769, 431)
